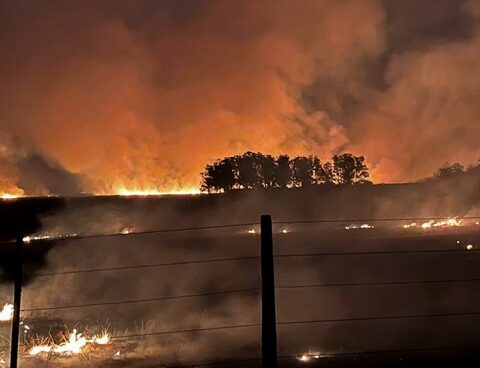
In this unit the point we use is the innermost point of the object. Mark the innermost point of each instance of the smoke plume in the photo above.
(142, 94)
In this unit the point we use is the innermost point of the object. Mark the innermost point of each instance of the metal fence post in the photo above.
(269, 329)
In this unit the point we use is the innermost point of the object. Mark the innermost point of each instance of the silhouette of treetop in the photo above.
(254, 170)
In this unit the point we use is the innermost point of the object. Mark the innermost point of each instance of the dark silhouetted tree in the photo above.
(302, 171)
(449, 171)
(283, 172)
(349, 169)
(322, 173)
(267, 170)
(220, 176)
(249, 170)
(325, 173)
(253, 170)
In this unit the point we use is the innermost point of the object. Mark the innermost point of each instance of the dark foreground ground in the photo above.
(439, 361)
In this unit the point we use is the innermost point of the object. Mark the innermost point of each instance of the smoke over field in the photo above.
(83, 216)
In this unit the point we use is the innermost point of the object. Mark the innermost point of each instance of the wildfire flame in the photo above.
(427, 225)
(76, 343)
(127, 230)
(129, 192)
(308, 357)
(9, 196)
(155, 192)
(451, 222)
(6, 314)
(363, 226)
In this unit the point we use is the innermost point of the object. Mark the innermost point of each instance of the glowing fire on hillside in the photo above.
(133, 192)
(143, 192)
(9, 196)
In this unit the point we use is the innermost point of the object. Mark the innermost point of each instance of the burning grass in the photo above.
(55, 341)
(453, 222)
(6, 314)
(60, 342)
(432, 224)
(309, 357)
(359, 227)
(67, 344)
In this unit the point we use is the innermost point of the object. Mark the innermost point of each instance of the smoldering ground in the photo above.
(114, 214)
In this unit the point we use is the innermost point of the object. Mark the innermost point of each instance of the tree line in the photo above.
(456, 170)
(254, 170)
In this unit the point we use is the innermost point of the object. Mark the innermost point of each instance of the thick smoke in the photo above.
(427, 115)
(142, 94)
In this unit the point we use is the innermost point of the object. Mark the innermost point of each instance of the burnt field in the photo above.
(396, 294)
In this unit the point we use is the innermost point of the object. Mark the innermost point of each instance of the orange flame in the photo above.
(73, 345)
(155, 192)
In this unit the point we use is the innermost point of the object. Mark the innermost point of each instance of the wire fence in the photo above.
(240, 225)
(154, 265)
(280, 287)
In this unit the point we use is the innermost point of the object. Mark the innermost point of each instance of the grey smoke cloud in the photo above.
(144, 94)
